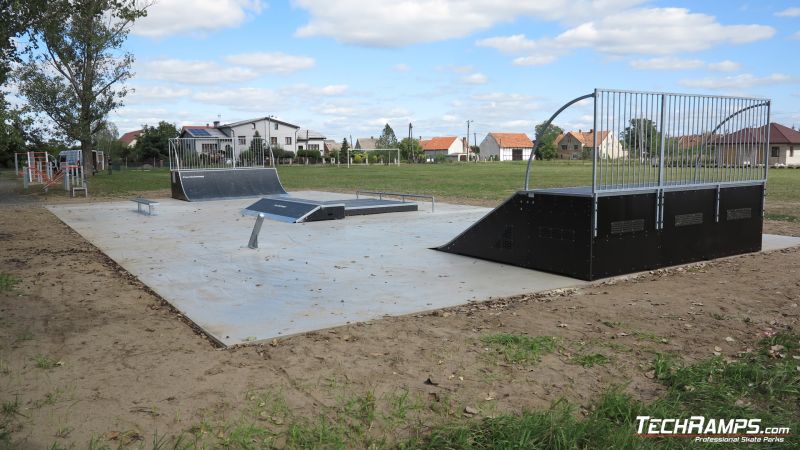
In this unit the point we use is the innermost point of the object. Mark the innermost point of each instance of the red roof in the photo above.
(130, 136)
(778, 134)
(515, 140)
(437, 143)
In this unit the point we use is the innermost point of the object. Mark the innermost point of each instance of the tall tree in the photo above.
(641, 137)
(545, 140)
(410, 149)
(387, 139)
(153, 143)
(19, 17)
(78, 76)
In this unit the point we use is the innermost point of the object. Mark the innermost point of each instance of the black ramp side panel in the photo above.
(217, 184)
(544, 232)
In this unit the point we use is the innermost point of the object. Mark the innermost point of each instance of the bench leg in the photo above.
(256, 230)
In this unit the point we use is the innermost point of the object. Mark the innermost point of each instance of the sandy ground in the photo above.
(127, 366)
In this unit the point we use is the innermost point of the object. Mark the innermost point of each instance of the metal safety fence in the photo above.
(218, 153)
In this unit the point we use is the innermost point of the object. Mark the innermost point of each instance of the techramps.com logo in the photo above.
(702, 429)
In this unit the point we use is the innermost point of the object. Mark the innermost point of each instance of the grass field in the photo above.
(477, 182)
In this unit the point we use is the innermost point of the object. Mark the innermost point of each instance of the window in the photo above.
(564, 147)
(774, 152)
(273, 140)
(313, 146)
(242, 140)
(575, 147)
(791, 152)
(288, 140)
(276, 125)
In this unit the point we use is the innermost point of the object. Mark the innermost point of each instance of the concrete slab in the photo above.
(305, 276)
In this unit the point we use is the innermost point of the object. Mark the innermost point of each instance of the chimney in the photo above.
(216, 124)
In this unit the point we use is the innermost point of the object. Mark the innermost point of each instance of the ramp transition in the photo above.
(220, 184)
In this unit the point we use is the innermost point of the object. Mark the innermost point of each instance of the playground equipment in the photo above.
(675, 178)
(40, 168)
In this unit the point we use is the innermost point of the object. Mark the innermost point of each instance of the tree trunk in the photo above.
(87, 156)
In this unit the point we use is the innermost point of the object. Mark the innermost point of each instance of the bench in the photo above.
(80, 188)
(143, 201)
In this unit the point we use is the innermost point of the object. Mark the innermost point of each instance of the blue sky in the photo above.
(346, 67)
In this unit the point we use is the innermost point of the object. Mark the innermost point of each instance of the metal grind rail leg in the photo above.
(398, 194)
(256, 230)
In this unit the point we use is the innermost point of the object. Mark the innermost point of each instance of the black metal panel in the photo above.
(291, 210)
(552, 231)
(326, 212)
(626, 237)
(218, 184)
(545, 232)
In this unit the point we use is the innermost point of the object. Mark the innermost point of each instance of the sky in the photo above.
(347, 67)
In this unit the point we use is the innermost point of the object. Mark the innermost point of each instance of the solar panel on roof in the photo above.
(200, 132)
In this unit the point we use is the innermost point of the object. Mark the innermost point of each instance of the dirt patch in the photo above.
(87, 350)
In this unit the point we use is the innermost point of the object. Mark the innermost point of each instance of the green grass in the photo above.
(7, 281)
(478, 181)
(520, 349)
(594, 359)
(44, 362)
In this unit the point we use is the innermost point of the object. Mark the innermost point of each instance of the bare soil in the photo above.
(125, 365)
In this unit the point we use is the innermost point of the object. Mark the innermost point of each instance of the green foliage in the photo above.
(80, 77)
(345, 146)
(7, 281)
(545, 139)
(520, 349)
(387, 138)
(154, 141)
(411, 150)
(358, 159)
(311, 154)
(642, 134)
(44, 362)
(591, 360)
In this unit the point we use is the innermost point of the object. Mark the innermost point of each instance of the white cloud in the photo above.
(670, 63)
(725, 66)
(742, 81)
(389, 23)
(277, 62)
(258, 99)
(171, 17)
(475, 78)
(796, 35)
(789, 12)
(401, 68)
(647, 31)
(152, 94)
(193, 71)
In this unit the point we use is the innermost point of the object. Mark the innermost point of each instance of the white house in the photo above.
(443, 146)
(506, 146)
(275, 131)
(310, 140)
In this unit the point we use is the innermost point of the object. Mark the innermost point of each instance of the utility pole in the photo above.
(475, 143)
(410, 142)
(348, 150)
(467, 149)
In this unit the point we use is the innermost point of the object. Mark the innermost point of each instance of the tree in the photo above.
(410, 149)
(545, 140)
(76, 79)
(642, 135)
(387, 139)
(154, 141)
(19, 17)
(345, 146)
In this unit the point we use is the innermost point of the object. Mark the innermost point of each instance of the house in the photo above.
(277, 132)
(310, 140)
(506, 146)
(580, 145)
(130, 138)
(443, 147)
(331, 146)
(745, 147)
(205, 140)
(366, 143)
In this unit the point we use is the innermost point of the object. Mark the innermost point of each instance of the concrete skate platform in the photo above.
(304, 277)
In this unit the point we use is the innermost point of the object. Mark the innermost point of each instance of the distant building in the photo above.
(332, 146)
(506, 146)
(130, 138)
(580, 144)
(310, 140)
(745, 147)
(444, 146)
(366, 143)
(272, 130)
